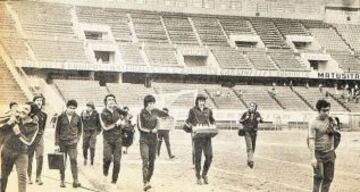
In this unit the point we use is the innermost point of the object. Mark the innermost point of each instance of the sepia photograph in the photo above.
(180, 95)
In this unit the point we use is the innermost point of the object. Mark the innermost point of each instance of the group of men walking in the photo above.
(24, 130)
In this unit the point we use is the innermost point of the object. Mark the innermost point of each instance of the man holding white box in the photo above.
(200, 115)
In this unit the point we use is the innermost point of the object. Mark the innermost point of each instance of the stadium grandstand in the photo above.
(281, 54)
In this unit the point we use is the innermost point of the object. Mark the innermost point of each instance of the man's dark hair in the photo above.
(322, 103)
(107, 96)
(149, 99)
(12, 104)
(72, 102)
(34, 109)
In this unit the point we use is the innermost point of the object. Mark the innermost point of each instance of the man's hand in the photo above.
(16, 130)
(57, 148)
(120, 122)
(314, 162)
(12, 120)
(154, 131)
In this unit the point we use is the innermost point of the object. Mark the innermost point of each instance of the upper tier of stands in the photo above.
(9, 37)
(260, 60)
(149, 28)
(9, 89)
(231, 59)
(115, 18)
(329, 39)
(161, 56)
(180, 30)
(346, 61)
(131, 54)
(290, 27)
(56, 51)
(269, 34)
(210, 31)
(286, 61)
(49, 21)
(351, 34)
(235, 26)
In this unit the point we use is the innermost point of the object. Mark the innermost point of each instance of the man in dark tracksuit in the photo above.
(112, 121)
(163, 134)
(201, 115)
(38, 145)
(92, 127)
(67, 135)
(250, 120)
(14, 151)
(147, 125)
(321, 144)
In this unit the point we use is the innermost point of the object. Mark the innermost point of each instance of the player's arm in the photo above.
(311, 137)
(189, 122)
(57, 130)
(211, 118)
(108, 121)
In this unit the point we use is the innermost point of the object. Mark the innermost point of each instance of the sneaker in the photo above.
(62, 184)
(199, 182)
(76, 185)
(147, 186)
(38, 181)
(205, 178)
(92, 162)
(251, 164)
(172, 156)
(113, 182)
(30, 181)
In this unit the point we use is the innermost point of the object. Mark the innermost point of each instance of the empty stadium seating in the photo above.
(257, 94)
(286, 61)
(148, 28)
(9, 89)
(180, 30)
(259, 59)
(235, 26)
(161, 56)
(183, 94)
(225, 98)
(346, 61)
(129, 94)
(115, 18)
(290, 27)
(10, 38)
(289, 100)
(209, 31)
(351, 34)
(312, 94)
(329, 39)
(81, 90)
(231, 59)
(58, 51)
(49, 21)
(269, 34)
(131, 54)
(351, 104)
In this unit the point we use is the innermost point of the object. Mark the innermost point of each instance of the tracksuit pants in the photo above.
(148, 145)
(202, 145)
